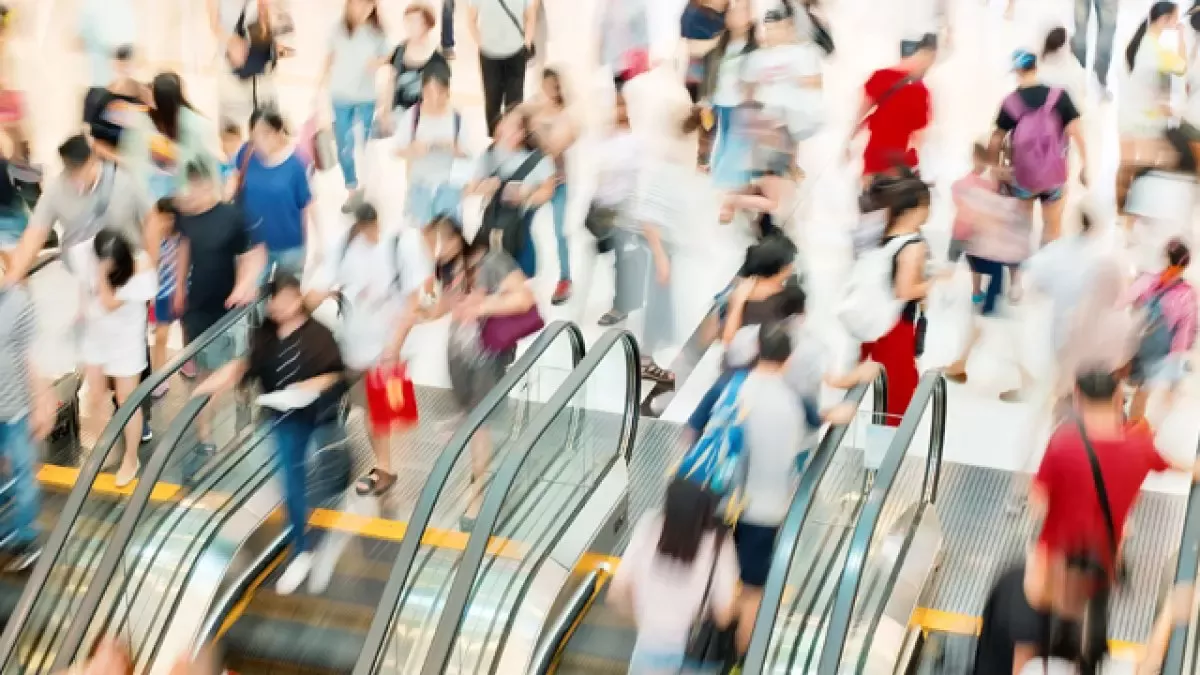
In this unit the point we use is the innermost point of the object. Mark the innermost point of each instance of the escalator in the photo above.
(201, 564)
(1183, 646)
(555, 507)
(82, 507)
(855, 554)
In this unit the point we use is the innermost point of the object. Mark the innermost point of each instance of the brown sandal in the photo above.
(376, 482)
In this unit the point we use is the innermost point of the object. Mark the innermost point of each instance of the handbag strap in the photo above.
(512, 17)
(1101, 490)
(247, 149)
(887, 94)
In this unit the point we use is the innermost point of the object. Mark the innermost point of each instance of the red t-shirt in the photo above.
(1074, 518)
(903, 112)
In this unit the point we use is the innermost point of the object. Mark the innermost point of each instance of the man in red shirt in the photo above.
(1065, 488)
(896, 109)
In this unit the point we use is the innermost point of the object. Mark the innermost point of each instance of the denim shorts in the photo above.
(164, 311)
(1047, 197)
(12, 226)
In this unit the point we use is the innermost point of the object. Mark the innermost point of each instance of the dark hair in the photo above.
(693, 120)
(1085, 222)
(424, 10)
(774, 342)
(1157, 11)
(559, 97)
(794, 300)
(727, 37)
(281, 280)
(435, 72)
(231, 128)
(196, 171)
(112, 245)
(900, 194)
(364, 216)
(768, 257)
(1178, 254)
(529, 141)
(123, 53)
(169, 102)
(75, 152)
(372, 18)
(1055, 40)
(269, 116)
(1096, 384)
(687, 517)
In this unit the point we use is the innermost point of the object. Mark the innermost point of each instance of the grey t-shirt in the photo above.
(18, 328)
(775, 433)
(464, 348)
(352, 77)
(499, 36)
(505, 163)
(77, 213)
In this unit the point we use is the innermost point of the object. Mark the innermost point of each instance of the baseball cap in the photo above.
(1023, 59)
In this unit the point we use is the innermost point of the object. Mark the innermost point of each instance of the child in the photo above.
(960, 234)
(231, 142)
(1168, 305)
(162, 245)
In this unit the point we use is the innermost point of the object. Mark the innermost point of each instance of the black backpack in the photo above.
(502, 221)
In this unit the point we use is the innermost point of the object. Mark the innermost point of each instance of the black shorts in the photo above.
(755, 545)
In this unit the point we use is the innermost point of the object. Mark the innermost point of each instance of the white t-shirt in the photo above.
(439, 165)
(1144, 90)
(375, 292)
(619, 163)
(667, 594)
(775, 73)
(730, 90)
(114, 340)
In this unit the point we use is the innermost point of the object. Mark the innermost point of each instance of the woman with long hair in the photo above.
(114, 338)
(291, 351)
(477, 282)
(557, 132)
(357, 49)
(274, 192)
(728, 163)
(907, 208)
(1058, 67)
(680, 567)
(1144, 107)
(178, 137)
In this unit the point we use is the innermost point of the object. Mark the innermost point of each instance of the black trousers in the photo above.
(503, 85)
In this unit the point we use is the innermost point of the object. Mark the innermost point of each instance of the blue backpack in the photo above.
(1157, 334)
(716, 459)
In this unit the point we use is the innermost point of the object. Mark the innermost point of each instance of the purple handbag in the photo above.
(501, 333)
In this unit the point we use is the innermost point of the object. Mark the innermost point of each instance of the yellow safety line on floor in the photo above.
(63, 478)
(937, 621)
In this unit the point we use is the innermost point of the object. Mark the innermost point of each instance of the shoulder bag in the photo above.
(528, 50)
(503, 221)
(710, 646)
(1101, 490)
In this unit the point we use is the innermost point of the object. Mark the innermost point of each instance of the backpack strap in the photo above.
(1052, 97)
(1015, 106)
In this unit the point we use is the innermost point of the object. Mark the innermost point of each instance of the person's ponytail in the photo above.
(1157, 11)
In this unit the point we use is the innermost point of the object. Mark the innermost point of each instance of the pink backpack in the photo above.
(1038, 144)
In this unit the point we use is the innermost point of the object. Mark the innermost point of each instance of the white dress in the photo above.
(115, 340)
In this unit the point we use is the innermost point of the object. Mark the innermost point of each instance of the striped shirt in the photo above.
(168, 254)
(18, 328)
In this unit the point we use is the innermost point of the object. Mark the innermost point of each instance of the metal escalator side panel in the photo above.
(394, 598)
(795, 523)
(871, 540)
(115, 547)
(44, 601)
(1182, 651)
(451, 621)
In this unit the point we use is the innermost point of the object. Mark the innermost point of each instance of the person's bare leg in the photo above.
(1137, 405)
(96, 402)
(481, 456)
(133, 431)
(748, 603)
(1052, 219)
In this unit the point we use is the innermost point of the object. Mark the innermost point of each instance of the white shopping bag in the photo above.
(949, 313)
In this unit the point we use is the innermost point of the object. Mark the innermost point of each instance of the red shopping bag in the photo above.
(391, 400)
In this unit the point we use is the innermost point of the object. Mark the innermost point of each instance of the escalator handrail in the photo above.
(115, 548)
(379, 632)
(455, 607)
(795, 521)
(113, 432)
(932, 388)
(1187, 560)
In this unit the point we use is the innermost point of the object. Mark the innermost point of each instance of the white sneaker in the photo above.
(295, 574)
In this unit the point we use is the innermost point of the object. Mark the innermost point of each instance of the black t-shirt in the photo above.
(408, 78)
(309, 351)
(101, 115)
(1009, 622)
(215, 239)
(1035, 97)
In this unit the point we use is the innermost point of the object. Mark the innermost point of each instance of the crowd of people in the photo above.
(169, 216)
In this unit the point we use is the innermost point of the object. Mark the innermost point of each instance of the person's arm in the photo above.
(224, 379)
(911, 283)
(662, 263)
(513, 297)
(43, 405)
(214, 21)
(531, 22)
(473, 22)
(1176, 611)
(318, 383)
(250, 266)
(407, 146)
(724, 590)
(32, 241)
(737, 304)
(863, 373)
(540, 194)
(183, 268)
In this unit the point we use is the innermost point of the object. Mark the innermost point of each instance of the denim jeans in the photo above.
(558, 208)
(287, 260)
(292, 436)
(994, 271)
(447, 24)
(20, 499)
(1106, 27)
(526, 258)
(345, 116)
